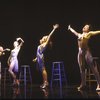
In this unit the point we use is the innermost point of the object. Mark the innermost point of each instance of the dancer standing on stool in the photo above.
(84, 54)
(40, 57)
(13, 61)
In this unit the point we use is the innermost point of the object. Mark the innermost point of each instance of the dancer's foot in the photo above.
(82, 87)
(98, 88)
(17, 83)
(44, 85)
(45, 92)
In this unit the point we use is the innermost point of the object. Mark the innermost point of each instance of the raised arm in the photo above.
(49, 36)
(73, 31)
(22, 41)
(94, 33)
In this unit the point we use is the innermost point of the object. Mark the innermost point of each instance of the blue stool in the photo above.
(25, 74)
(58, 73)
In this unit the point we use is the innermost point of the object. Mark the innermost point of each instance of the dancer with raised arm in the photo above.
(40, 56)
(84, 55)
(13, 60)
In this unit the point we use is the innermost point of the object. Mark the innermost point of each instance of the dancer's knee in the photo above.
(9, 70)
(82, 70)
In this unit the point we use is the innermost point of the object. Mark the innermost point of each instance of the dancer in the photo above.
(13, 61)
(84, 55)
(40, 56)
(2, 52)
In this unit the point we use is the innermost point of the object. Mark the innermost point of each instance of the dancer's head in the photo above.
(15, 43)
(86, 28)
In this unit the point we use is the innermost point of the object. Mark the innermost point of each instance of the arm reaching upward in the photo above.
(49, 36)
(22, 41)
(73, 31)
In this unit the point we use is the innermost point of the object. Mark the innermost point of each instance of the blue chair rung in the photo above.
(58, 73)
(25, 74)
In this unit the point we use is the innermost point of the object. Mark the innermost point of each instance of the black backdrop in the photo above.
(31, 19)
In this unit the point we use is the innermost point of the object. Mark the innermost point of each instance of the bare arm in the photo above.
(94, 33)
(22, 41)
(7, 49)
(49, 36)
(73, 31)
(3, 52)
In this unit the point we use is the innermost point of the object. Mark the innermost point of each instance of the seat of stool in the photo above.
(58, 62)
(25, 66)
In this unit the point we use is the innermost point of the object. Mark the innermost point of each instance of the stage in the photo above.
(33, 19)
(35, 92)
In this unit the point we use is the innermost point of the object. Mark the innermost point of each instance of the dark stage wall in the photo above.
(32, 19)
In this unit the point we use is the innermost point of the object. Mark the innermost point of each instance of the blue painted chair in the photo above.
(58, 74)
(25, 74)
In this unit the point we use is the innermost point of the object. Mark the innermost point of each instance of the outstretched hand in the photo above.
(34, 60)
(55, 26)
(69, 27)
(7, 49)
(3, 51)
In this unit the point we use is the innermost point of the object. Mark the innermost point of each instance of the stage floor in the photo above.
(35, 92)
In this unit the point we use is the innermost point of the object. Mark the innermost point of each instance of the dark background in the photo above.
(32, 19)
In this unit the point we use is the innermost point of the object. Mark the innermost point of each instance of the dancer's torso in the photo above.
(14, 53)
(83, 42)
(40, 56)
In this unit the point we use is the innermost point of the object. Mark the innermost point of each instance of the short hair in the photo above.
(90, 26)
(44, 38)
(16, 42)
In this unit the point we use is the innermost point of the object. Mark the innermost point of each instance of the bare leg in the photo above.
(44, 74)
(10, 70)
(16, 72)
(17, 81)
(81, 62)
(45, 80)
